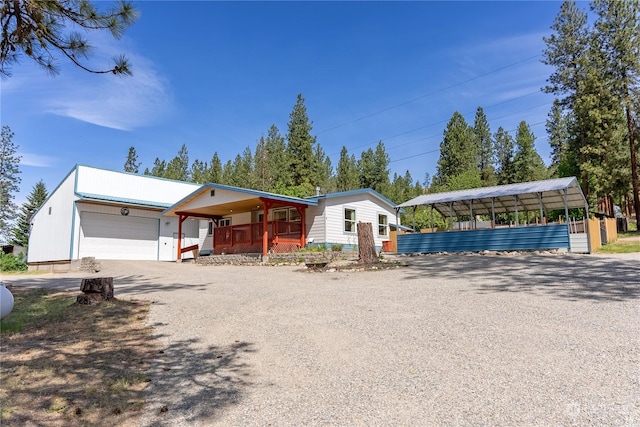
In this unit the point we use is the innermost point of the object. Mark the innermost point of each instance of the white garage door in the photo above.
(106, 236)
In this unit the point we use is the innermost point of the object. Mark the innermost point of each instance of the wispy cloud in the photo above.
(118, 102)
(36, 160)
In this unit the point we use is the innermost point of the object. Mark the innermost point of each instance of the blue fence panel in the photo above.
(555, 236)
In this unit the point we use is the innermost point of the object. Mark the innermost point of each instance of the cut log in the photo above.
(366, 244)
(96, 290)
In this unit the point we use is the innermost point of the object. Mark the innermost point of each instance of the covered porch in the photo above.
(262, 222)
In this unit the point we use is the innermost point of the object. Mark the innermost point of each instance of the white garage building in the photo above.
(94, 211)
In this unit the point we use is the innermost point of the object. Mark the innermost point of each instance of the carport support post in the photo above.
(471, 221)
(541, 211)
(516, 200)
(432, 219)
(413, 217)
(493, 214)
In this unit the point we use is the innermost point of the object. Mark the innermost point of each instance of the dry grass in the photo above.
(84, 366)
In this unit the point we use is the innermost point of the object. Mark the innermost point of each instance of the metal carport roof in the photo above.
(544, 195)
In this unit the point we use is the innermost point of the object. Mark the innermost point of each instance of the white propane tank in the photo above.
(6, 302)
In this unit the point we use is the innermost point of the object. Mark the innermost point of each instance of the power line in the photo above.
(427, 95)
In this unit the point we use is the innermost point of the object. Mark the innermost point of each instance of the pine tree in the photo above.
(278, 161)
(504, 147)
(178, 167)
(23, 224)
(199, 172)
(458, 153)
(263, 179)
(347, 173)
(214, 173)
(567, 52)
(159, 168)
(381, 168)
(322, 170)
(301, 144)
(558, 134)
(132, 165)
(528, 165)
(484, 145)
(617, 29)
(366, 169)
(41, 30)
(9, 181)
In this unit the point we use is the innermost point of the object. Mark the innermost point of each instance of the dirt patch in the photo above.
(88, 368)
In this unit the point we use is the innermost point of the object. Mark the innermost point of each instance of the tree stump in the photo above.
(366, 244)
(96, 290)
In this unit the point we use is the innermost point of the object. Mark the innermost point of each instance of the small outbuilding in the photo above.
(472, 225)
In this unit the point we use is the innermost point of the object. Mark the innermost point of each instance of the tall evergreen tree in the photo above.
(504, 147)
(527, 162)
(301, 144)
(484, 145)
(214, 172)
(9, 181)
(458, 153)
(366, 167)
(23, 224)
(131, 164)
(278, 161)
(567, 51)
(263, 179)
(159, 168)
(617, 29)
(199, 172)
(557, 131)
(178, 167)
(322, 170)
(381, 168)
(347, 177)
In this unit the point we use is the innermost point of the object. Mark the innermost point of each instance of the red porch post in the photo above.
(303, 232)
(181, 219)
(265, 228)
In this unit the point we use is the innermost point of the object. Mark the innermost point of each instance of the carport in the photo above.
(474, 234)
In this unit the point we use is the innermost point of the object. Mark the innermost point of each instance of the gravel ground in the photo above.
(446, 340)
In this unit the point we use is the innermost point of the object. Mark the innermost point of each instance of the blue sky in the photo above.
(216, 75)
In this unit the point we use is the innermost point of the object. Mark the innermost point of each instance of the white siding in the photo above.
(315, 221)
(131, 186)
(51, 229)
(367, 208)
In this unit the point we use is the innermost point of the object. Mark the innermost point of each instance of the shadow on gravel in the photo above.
(137, 285)
(572, 277)
(189, 384)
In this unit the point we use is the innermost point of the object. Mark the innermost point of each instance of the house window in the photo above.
(294, 215)
(349, 220)
(224, 222)
(210, 230)
(382, 225)
(280, 215)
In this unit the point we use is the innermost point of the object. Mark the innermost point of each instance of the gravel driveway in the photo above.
(446, 340)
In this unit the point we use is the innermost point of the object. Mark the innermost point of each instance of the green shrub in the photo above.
(336, 248)
(10, 262)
